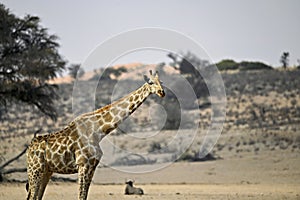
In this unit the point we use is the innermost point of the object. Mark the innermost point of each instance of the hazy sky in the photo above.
(241, 30)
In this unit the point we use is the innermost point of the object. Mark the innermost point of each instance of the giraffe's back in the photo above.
(55, 151)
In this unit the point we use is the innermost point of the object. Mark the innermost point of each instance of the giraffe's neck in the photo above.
(110, 116)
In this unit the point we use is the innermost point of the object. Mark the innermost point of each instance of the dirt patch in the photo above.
(171, 191)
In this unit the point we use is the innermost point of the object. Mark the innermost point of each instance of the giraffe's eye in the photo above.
(150, 82)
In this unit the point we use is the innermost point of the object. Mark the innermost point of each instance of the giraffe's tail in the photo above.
(36, 132)
(27, 189)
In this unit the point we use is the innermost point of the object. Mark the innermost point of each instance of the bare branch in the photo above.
(13, 170)
(18, 156)
(13, 159)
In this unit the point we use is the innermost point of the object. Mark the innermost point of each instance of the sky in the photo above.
(256, 30)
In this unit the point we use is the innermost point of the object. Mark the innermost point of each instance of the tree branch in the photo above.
(18, 156)
(13, 159)
(13, 170)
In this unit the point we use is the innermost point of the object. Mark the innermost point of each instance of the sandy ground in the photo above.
(249, 170)
(264, 175)
(162, 191)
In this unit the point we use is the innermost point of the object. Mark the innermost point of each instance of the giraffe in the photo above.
(76, 149)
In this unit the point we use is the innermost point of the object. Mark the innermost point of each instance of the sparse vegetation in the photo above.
(194, 157)
(244, 65)
(284, 59)
(75, 71)
(109, 73)
(190, 66)
(227, 65)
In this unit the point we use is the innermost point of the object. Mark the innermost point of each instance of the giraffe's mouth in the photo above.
(161, 93)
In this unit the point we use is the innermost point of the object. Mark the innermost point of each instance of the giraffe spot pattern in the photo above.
(76, 147)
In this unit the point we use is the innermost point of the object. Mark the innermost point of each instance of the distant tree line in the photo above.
(189, 65)
(108, 73)
(75, 71)
(244, 65)
(29, 58)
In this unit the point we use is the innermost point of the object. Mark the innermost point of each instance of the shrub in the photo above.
(246, 65)
(227, 65)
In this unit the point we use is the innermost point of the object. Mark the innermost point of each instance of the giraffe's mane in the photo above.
(47, 136)
(107, 107)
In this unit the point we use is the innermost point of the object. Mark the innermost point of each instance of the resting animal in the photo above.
(130, 189)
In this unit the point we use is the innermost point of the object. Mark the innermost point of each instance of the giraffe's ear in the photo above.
(146, 78)
(150, 71)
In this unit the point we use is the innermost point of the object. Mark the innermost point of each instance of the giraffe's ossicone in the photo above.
(75, 149)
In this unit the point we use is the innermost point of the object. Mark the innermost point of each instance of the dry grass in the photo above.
(259, 148)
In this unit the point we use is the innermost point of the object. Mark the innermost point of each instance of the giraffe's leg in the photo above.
(44, 181)
(30, 187)
(85, 176)
(35, 170)
(34, 182)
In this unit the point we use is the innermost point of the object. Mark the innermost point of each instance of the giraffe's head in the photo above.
(155, 84)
